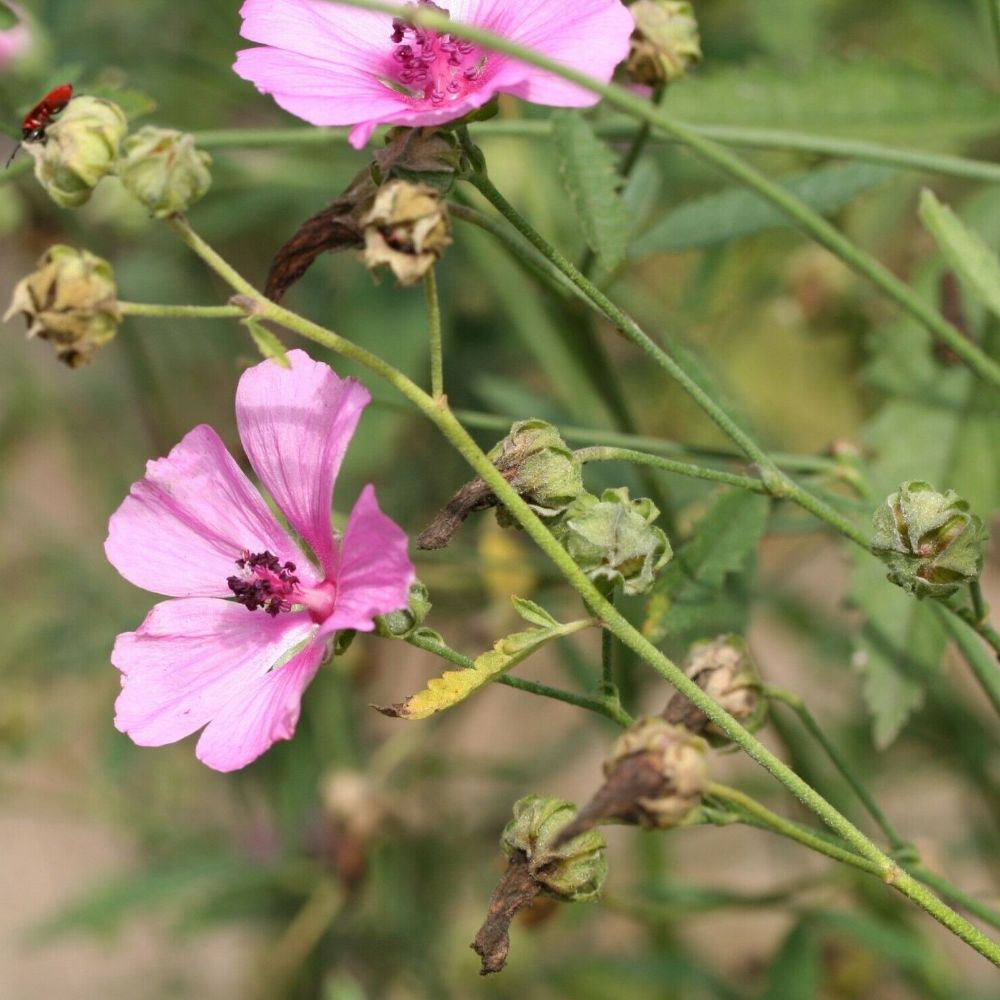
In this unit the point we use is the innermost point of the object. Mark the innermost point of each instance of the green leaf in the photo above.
(133, 102)
(268, 343)
(693, 582)
(455, 686)
(970, 256)
(864, 98)
(589, 172)
(8, 19)
(534, 613)
(738, 213)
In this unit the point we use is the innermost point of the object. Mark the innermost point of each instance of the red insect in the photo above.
(37, 120)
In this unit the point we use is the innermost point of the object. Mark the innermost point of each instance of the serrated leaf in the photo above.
(590, 176)
(738, 213)
(268, 343)
(455, 686)
(723, 543)
(974, 262)
(870, 98)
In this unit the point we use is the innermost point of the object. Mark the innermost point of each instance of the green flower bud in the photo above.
(724, 669)
(161, 168)
(400, 624)
(70, 300)
(574, 871)
(407, 228)
(78, 150)
(545, 470)
(929, 540)
(613, 539)
(676, 756)
(665, 42)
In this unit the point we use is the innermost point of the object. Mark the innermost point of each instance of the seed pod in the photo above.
(665, 42)
(725, 670)
(78, 150)
(161, 168)
(407, 229)
(70, 300)
(614, 541)
(930, 541)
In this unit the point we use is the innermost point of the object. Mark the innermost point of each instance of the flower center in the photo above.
(434, 68)
(267, 584)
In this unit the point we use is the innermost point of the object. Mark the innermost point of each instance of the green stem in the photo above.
(602, 453)
(983, 665)
(797, 705)
(628, 327)
(608, 707)
(775, 481)
(786, 828)
(730, 135)
(533, 526)
(975, 906)
(180, 312)
(809, 221)
(434, 325)
(608, 660)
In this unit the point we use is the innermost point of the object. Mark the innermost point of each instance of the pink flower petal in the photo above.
(375, 571)
(327, 64)
(591, 36)
(181, 529)
(260, 714)
(296, 424)
(192, 658)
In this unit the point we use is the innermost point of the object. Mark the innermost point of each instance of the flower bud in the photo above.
(79, 149)
(406, 228)
(665, 42)
(673, 753)
(613, 539)
(929, 540)
(544, 469)
(400, 624)
(161, 168)
(724, 669)
(70, 300)
(573, 871)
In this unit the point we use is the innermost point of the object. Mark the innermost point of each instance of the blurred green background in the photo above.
(355, 862)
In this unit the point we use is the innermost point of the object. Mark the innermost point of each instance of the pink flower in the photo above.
(14, 41)
(195, 529)
(336, 65)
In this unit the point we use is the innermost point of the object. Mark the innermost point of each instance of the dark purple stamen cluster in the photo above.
(435, 67)
(265, 583)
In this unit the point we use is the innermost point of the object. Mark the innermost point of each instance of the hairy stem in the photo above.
(180, 312)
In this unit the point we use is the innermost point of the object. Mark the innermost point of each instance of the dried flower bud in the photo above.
(161, 168)
(400, 624)
(613, 539)
(655, 777)
(78, 150)
(407, 228)
(724, 669)
(929, 540)
(665, 42)
(70, 300)
(540, 860)
(545, 470)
